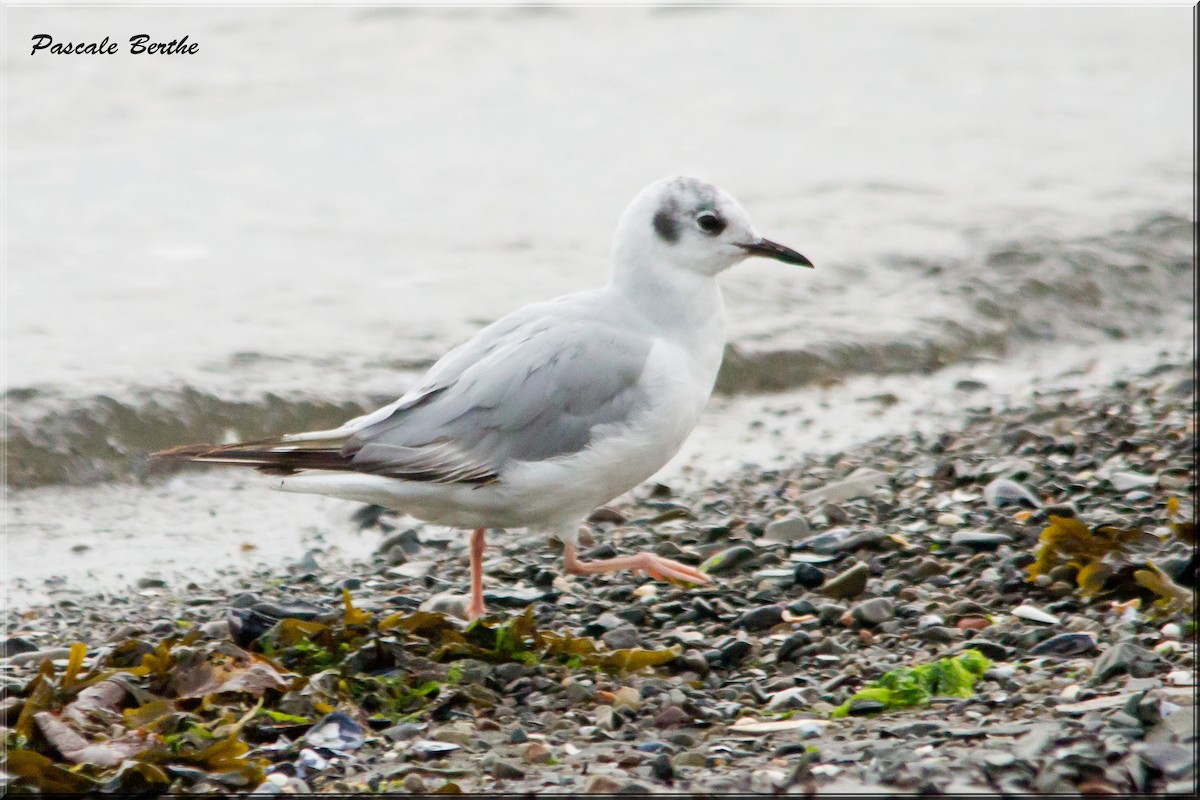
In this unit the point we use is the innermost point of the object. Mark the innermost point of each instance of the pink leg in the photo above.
(657, 567)
(475, 609)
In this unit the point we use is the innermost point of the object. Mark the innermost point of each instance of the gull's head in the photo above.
(691, 225)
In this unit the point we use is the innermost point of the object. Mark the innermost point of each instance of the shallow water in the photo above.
(283, 229)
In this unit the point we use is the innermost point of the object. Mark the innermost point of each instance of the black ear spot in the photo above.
(666, 227)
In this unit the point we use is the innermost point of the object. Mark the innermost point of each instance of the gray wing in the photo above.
(526, 389)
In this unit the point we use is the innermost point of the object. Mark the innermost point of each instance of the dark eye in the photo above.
(710, 223)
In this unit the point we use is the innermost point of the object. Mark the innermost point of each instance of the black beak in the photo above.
(769, 249)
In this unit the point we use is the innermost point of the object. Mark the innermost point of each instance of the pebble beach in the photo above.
(832, 573)
(944, 486)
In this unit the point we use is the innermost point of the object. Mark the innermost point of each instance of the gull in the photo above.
(554, 409)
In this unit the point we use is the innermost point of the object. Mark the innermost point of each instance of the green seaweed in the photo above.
(908, 687)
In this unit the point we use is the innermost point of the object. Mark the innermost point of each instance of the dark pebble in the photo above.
(862, 707)
(603, 624)
(760, 619)
(830, 613)
(247, 625)
(1065, 645)
(603, 551)
(808, 576)
(735, 651)
(15, 644)
(993, 650)
(802, 607)
(1124, 658)
(789, 650)
(297, 609)
(661, 768)
(634, 616)
(940, 634)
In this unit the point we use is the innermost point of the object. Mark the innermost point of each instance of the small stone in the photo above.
(791, 529)
(604, 718)
(537, 753)
(728, 560)
(973, 623)
(601, 784)
(862, 707)
(929, 621)
(603, 624)
(448, 603)
(940, 634)
(1124, 658)
(948, 519)
(979, 540)
(797, 697)
(789, 650)
(507, 770)
(874, 612)
(671, 716)
(426, 750)
(1035, 614)
(999, 759)
(662, 769)
(759, 619)
(689, 758)
(151, 583)
(850, 583)
(576, 692)
(402, 731)
(1171, 631)
(627, 697)
(1065, 645)
(336, 731)
(1125, 481)
(1004, 492)
(736, 650)
(1173, 760)
(993, 650)
(413, 783)
(14, 645)
(622, 638)
(808, 576)
(862, 481)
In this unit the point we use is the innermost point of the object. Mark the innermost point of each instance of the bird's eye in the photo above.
(710, 223)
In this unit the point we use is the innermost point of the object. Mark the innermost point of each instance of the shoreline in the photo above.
(204, 523)
(834, 570)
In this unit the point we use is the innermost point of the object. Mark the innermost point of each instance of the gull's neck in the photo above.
(683, 305)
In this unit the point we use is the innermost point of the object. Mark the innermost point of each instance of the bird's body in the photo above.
(554, 409)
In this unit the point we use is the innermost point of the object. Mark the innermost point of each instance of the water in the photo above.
(284, 229)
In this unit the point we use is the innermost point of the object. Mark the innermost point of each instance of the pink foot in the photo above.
(657, 567)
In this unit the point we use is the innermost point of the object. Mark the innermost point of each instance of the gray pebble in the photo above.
(850, 583)
(792, 529)
(874, 611)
